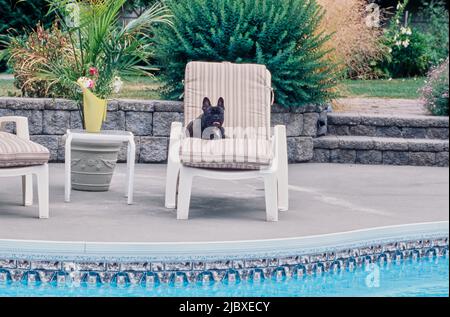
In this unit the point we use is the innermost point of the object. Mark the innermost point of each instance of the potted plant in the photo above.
(101, 50)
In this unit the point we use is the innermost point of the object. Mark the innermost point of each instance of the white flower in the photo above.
(405, 43)
(117, 84)
(389, 79)
(86, 82)
(397, 21)
(408, 31)
(403, 30)
(390, 50)
(399, 6)
(398, 43)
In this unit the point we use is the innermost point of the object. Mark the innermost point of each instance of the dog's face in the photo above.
(213, 116)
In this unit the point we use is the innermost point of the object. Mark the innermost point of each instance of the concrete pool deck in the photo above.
(324, 199)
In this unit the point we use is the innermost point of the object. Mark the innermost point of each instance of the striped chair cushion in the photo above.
(17, 152)
(246, 89)
(226, 153)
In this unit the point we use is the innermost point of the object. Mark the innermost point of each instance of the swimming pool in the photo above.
(427, 276)
(406, 260)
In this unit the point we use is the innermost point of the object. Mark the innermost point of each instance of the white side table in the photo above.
(119, 136)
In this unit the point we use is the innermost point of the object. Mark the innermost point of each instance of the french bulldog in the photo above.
(211, 121)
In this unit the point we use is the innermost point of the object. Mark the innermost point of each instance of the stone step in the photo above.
(392, 126)
(375, 150)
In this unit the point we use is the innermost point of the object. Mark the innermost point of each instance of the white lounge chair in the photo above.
(21, 157)
(250, 150)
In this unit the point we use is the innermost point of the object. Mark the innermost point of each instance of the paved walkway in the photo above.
(6, 76)
(381, 106)
(324, 198)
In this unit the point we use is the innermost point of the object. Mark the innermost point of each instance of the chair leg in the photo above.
(270, 185)
(173, 166)
(282, 168)
(283, 188)
(27, 189)
(172, 176)
(184, 194)
(43, 191)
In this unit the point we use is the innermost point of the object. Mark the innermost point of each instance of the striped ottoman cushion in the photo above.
(17, 152)
(246, 90)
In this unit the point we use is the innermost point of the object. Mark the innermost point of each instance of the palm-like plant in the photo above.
(99, 41)
(102, 48)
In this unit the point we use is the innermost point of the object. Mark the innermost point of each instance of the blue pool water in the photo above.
(425, 277)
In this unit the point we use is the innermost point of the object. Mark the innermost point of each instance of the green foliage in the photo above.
(412, 51)
(139, 4)
(29, 54)
(436, 30)
(20, 15)
(435, 93)
(410, 58)
(282, 34)
(407, 48)
(97, 41)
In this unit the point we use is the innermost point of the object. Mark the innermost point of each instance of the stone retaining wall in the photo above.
(385, 151)
(150, 122)
(389, 140)
(406, 126)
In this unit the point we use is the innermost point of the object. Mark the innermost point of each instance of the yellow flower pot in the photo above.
(94, 111)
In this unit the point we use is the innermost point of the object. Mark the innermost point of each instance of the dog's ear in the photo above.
(221, 103)
(206, 104)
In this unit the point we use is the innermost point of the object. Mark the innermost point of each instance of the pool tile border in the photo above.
(65, 272)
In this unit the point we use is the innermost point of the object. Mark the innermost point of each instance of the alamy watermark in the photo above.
(72, 16)
(372, 279)
(373, 18)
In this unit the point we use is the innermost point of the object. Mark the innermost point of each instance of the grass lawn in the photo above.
(133, 88)
(7, 88)
(147, 88)
(139, 88)
(395, 88)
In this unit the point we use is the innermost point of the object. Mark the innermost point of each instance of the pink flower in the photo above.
(86, 82)
(91, 84)
(93, 71)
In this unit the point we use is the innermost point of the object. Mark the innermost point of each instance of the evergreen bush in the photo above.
(282, 34)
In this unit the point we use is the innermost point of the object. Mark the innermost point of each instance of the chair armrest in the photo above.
(176, 130)
(280, 145)
(21, 125)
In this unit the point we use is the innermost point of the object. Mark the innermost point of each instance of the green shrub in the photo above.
(410, 57)
(407, 54)
(30, 53)
(436, 30)
(20, 15)
(282, 34)
(435, 92)
(131, 5)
